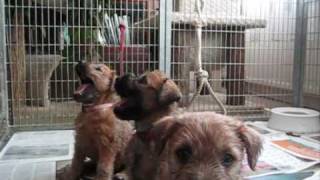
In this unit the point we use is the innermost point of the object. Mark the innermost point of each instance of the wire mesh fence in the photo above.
(311, 86)
(248, 49)
(45, 39)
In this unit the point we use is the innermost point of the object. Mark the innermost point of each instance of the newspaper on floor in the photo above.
(312, 137)
(298, 147)
(276, 161)
(21, 170)
(262, 127)
(304, 146)
(39, 146)
(283, 154)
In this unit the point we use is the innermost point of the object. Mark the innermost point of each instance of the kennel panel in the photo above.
(247, 49)
(45, 39)
(311, 85)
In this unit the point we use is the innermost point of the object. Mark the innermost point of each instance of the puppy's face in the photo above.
(145, 94)
(203, 146)
(96, 80)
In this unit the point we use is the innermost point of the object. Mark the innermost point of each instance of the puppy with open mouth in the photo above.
(99, 136)
(198, 146)
(145, 99)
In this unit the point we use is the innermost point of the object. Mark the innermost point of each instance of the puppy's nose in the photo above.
(123, 85)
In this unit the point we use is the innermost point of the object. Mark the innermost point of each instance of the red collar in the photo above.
(93, 108)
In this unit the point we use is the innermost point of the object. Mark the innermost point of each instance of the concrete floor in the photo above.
(33, 155)
(63, 113)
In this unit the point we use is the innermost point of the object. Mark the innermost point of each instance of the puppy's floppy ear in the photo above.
(160, 133)
(169, 93)
(252, 143)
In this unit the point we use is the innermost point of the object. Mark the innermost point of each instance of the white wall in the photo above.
(271, 50)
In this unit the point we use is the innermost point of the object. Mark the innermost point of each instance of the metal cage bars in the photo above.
(251, 69)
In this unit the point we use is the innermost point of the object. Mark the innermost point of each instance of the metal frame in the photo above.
(265, 56)
(299, 53)
(3, 69)
(165, 36)
(4, 126)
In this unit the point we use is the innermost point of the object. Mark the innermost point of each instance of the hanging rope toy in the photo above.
(201, 74)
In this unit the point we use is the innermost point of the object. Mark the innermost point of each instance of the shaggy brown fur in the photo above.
(197, 146)
(145, 99)
(99, 136)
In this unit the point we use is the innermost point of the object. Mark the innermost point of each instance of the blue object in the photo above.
(292, 176)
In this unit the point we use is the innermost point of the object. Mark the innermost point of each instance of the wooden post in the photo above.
(235, 68)
(17, 60)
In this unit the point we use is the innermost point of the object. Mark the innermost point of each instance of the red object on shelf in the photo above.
(122, 45)
(136, 58)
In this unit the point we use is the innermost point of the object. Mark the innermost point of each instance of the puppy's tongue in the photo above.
(83, 88)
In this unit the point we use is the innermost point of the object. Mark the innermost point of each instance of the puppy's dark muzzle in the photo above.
(81, 70)
(86, 93)
(125, 85)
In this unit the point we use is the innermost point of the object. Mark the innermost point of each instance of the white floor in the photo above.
(33, 155)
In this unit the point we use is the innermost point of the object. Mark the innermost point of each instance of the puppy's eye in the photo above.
(227, 160)
(184, 154)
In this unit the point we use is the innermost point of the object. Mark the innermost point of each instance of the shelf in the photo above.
(133, 53)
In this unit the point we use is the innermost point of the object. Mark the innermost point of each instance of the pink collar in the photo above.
(92, 108)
